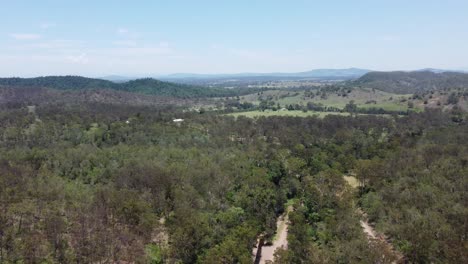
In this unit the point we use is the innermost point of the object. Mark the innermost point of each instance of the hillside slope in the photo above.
(412, 82)
(23, 96)
(144, 86)
(60, 82)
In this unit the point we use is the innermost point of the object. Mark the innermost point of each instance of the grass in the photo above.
(296, 113)
(252, 114)
(387, 101)
(352, 181)
(389, 106)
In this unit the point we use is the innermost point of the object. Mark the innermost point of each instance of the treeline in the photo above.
(147, 86)
(351, 107)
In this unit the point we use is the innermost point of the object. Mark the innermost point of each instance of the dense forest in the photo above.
(146, 86)
(29, 96)
(102, 183)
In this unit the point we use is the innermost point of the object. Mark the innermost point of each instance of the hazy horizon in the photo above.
(156, 75)
(208, 37)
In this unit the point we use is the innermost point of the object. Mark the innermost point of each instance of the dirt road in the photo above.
(264, 253)
(369, 230)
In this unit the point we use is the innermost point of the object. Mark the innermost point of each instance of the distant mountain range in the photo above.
(441, 70)
(315, 74)
(396, 82)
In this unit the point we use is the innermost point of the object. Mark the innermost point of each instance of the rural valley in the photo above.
(234, 132)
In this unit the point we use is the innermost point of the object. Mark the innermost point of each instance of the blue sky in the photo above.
(143, 38)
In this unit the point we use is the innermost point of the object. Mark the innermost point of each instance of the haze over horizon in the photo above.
(157, 38)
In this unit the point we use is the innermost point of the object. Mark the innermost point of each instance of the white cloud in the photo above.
(45, 26)
(127, 33)
(57, 44)
(215, 46)
(389, 38)
(80, 59)
(247, 54)
(142, 51)
(164, 44)
(300, 51)
(128, 43)
(20, 36)
(130, 48)
(122, 31)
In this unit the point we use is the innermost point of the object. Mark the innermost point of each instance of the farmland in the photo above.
(363, 98)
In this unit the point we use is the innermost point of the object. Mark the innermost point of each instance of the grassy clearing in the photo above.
(352, 181)
(297, 113)
(252, 114)
(361, 97)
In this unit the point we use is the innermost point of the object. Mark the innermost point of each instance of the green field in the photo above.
(297, 113)
(253, 114)
(362, 98)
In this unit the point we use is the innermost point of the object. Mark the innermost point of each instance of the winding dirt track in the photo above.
(371, 233)
(263, 254)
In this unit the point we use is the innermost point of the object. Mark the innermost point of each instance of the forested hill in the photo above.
(145, 86)
(412, 82)
(157, 87)
(60, 82)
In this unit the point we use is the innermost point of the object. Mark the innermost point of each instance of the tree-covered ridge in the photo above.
(147, 86)
(27, 96)
(157, 87)
(60, 82)
(412, 82)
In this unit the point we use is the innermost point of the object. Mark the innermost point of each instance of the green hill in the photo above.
(412, 82)
(157, 87)
(60, 82)
(144, 86)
